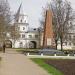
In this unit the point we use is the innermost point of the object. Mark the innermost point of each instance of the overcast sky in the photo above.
(33, 8)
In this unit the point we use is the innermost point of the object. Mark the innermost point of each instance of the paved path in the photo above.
(17, 64)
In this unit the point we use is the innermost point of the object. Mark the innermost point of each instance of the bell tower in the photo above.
(21, 20)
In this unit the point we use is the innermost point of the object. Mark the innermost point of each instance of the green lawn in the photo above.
(23, 49)
(48, 68)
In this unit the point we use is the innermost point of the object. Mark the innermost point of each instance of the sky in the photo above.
(32, 8)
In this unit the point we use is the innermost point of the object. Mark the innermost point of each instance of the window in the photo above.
(23, 28)
(25, 21)
(30, 36)
(21, 44)
(36, 36)
(34, 28)
(69, 37)
(23, 36)
(74, 37)
(21, 20)
(70, 43)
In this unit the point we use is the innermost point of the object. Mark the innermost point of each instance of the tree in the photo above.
(62, 16)
(14, 32)
(4, 19)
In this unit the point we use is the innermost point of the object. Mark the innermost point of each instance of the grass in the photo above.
(50, 69)
(25, 50)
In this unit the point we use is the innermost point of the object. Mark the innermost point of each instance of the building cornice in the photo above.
(21, 23)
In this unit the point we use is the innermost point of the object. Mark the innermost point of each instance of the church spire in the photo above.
(18, 13)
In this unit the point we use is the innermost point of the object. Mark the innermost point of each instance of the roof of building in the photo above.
(33, 30)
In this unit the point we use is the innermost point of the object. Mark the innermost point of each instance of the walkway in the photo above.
(17, 64)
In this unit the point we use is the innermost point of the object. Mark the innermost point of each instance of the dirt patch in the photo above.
(65, 66)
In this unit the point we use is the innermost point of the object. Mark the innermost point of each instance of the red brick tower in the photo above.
(48, 30)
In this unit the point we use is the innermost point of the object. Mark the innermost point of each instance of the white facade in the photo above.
(69, 44)
(29, 38)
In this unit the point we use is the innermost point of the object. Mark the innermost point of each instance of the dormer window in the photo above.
(34, 28)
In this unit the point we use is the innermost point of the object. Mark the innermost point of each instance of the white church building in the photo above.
(29, 37)
(33, 37)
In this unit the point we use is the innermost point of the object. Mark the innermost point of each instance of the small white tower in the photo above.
(21, 20)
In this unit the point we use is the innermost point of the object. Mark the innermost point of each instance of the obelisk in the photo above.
(48, 30)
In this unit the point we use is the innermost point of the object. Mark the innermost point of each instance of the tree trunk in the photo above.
(61, 44)
(56, 44)
(14, 43)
